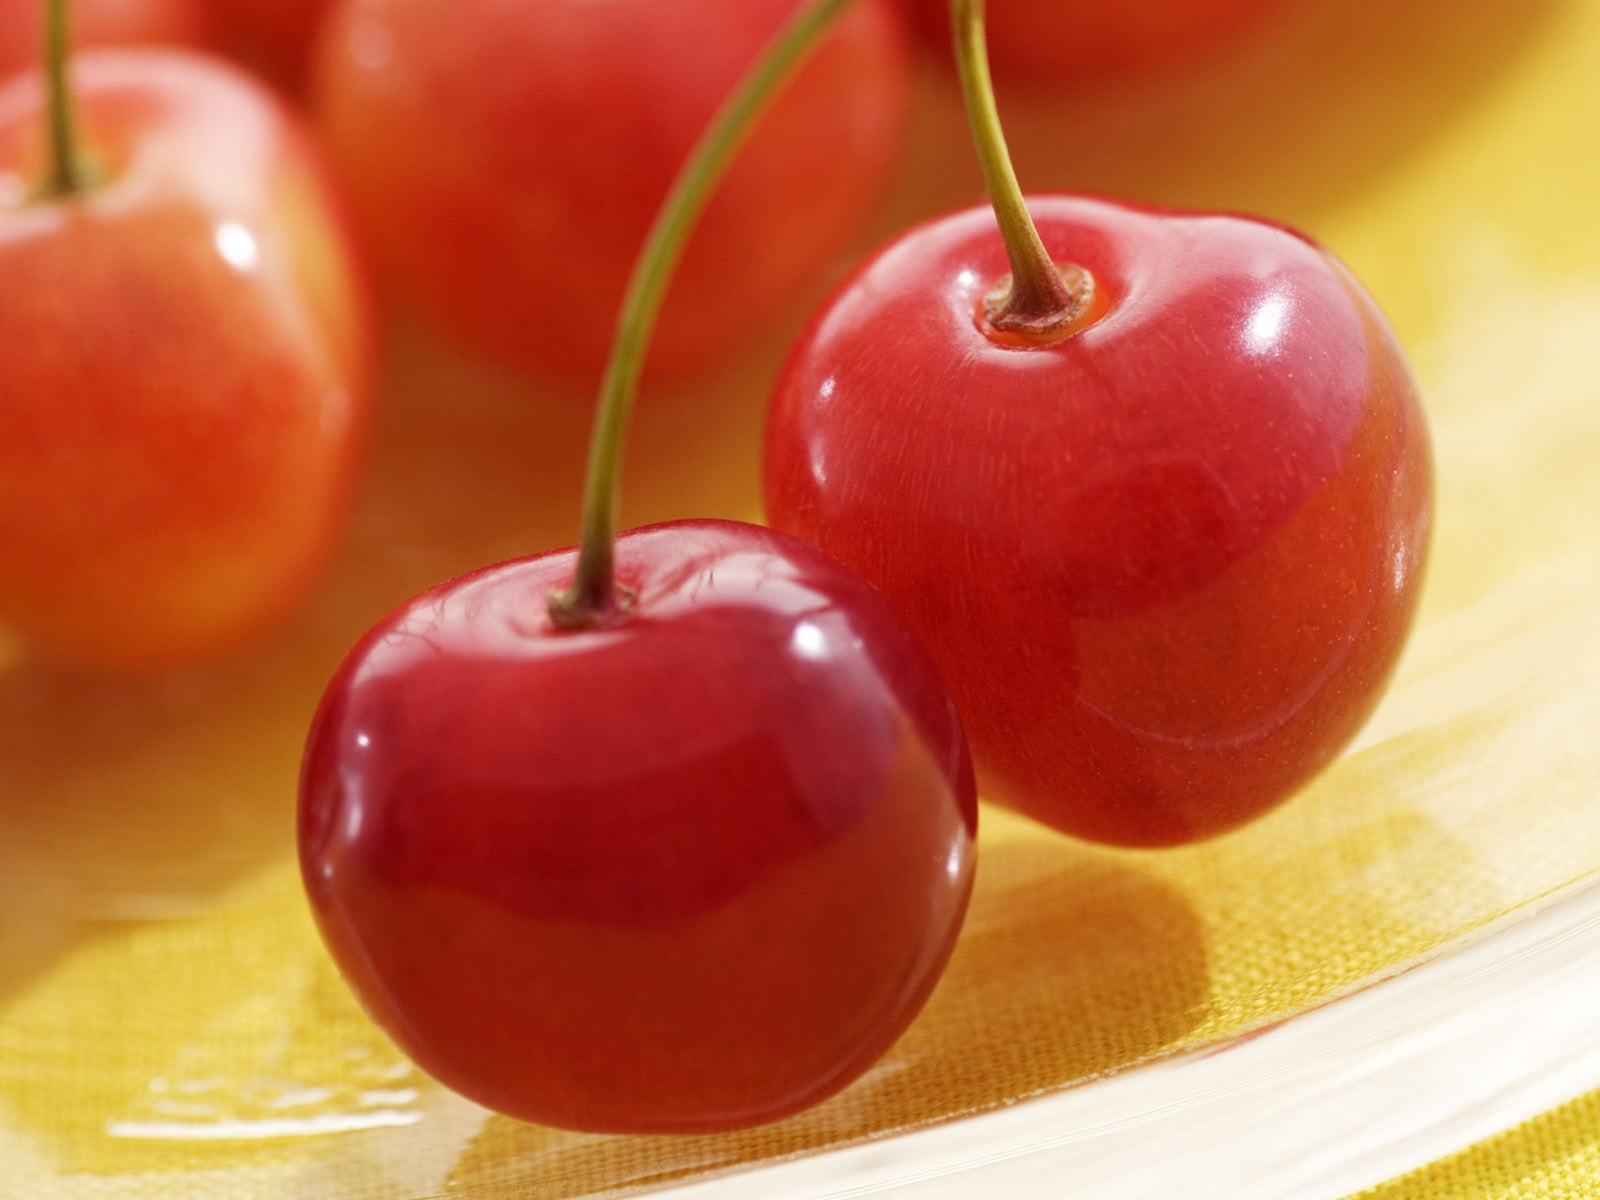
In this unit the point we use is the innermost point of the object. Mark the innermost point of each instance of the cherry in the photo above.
(691, 870)
(1044, 45)
(506, 161)
(1155, 493)
(187, 361)
(670, 833)
(102, 22)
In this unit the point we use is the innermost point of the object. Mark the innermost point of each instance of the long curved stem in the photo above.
(68, 172)
(593, 598)
(1039, 300)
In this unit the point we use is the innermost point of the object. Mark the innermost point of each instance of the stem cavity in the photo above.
(1039, 302)
(595, 600)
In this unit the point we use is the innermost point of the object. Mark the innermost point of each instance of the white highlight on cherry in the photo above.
(237, 245)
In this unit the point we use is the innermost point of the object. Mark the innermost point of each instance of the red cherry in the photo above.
(691, 870)
(101, 23)
(1165, 563)
(508, 158)
(1045, 44)
(186, 365)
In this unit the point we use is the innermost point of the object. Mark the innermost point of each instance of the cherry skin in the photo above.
(691, 870)
(1166, 563)
(507, 159)
(102, 23)
(1044, 45)
(187, 363)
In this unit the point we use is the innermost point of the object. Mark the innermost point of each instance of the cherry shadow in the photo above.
(1075, 963)
(1292, 121)
(1071, 964)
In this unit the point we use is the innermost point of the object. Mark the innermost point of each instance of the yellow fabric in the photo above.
(169, 1025)
(1554, 1157)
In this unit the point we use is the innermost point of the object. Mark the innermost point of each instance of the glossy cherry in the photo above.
(187, 362)
(691, 869)
(507, 159)
(1166, 562)
(1045, 45)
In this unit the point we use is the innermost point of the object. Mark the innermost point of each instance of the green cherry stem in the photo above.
(68, 172)
(594, 599)
(1039, 301)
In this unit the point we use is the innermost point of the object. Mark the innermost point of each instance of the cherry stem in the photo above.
(1039, 299)
(68, 172)
(593, 600)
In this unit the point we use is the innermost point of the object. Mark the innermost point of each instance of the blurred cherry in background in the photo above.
(506, 159)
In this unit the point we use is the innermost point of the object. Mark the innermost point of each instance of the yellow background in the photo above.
(170, 1027)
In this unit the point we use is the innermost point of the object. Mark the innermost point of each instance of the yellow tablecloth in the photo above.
(169, 1025)
(1555, 1157)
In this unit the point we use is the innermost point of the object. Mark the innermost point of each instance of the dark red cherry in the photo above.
(690, 870)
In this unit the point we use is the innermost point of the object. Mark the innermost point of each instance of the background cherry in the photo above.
(102, 22)
(1047, 45)
(506, 160)
(187, 364)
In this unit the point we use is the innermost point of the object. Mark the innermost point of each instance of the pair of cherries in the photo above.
(697, 866)
(694, 863)
(688, 852)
